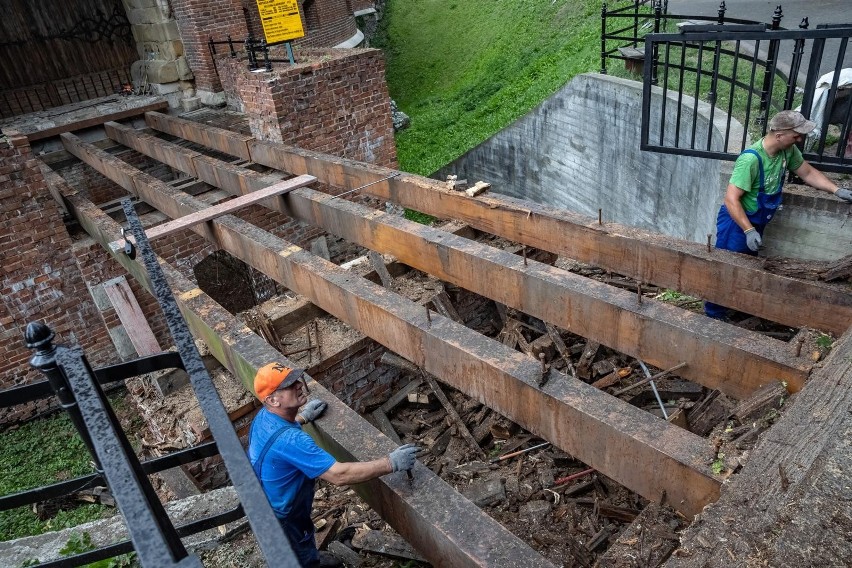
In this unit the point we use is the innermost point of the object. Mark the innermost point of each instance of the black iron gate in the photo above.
(711, 88)
(79, 390)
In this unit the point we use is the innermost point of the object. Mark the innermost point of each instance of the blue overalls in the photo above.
(729, 235)
(299, 531)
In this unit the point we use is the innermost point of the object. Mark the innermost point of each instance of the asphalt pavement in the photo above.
(817, 12)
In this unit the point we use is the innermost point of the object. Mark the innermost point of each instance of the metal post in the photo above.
(655, 55)
(654, 388)
(603, 38)
(636, 4)
(40, 337)
(722, 9)
(290, 53)
(252, 60)
(771, 57)
(265, 48)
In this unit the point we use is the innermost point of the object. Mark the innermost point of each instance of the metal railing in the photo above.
(722, 66)
(257, 51)
(79, 390)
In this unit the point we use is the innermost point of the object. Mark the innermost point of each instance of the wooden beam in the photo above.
(96, 120)
(718, 355)
(731, 279)
(227, 207)
(643, 453)
(447, 528)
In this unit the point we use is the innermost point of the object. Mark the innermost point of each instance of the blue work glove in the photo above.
(753, 240)
(402, 458)
(312, 410)
(844, 193)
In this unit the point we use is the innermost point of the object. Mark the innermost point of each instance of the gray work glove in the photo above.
(753, 239)
(312, 410)
(402, 458)
(844, 193)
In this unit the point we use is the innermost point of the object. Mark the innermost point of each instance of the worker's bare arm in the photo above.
(735, 208)
(347, 473)
(815, 178)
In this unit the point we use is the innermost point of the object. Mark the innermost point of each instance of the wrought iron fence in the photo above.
(724, 66)
(257, 51)
(79, 390)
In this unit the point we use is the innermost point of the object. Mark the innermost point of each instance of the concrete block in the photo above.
(183, 70)
(162, 72)
(148, 15)
(122, 343)
(141, 4)
(162, 50)
(99, 296)
(165, 88)
(209, 98)
(164, 31)
(486, 492)
(190, 103)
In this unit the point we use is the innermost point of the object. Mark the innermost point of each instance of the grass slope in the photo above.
(463, 70)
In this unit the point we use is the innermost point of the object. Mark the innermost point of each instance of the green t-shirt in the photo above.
(746, 175)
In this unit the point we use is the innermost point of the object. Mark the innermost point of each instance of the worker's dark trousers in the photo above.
(303, 544)
(729, 236)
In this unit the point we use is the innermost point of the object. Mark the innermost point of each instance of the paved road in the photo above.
(817, 12)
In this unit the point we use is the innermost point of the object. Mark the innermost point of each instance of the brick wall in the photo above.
(362, 4)
(198, 21)
(334, 101)
(326, 22)
(41, 280)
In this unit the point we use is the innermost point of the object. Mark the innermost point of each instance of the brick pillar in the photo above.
(40, 276)
(334, 101)
(198, 21)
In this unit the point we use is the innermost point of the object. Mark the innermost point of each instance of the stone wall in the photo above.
(162, 64)
(332, 101)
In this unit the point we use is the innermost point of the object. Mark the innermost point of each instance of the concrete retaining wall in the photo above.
(579, 150)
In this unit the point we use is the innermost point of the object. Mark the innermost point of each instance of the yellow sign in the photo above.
(281, 20)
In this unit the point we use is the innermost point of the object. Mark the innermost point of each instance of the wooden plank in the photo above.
(95, 121)
(446, 528)
(454, 415)
(380, 268)
(131, 317)
(645, 454)
(384, 424)
(732, 279)
(227, 207)
(716, 354)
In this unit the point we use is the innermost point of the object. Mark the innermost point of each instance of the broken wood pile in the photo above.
(828, 271)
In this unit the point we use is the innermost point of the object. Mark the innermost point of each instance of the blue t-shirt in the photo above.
(290, 467)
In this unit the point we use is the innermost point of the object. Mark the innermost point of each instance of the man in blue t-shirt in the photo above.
(754, 191)
(287, 461)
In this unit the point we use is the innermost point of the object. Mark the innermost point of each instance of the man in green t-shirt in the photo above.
(754, 191)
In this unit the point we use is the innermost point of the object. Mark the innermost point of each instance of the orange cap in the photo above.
(274, 376)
